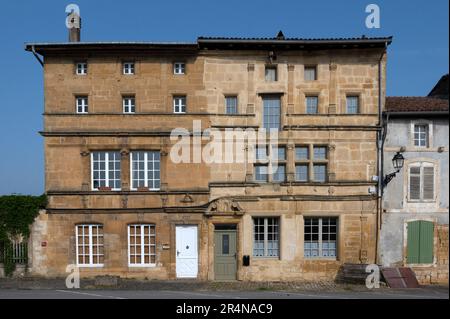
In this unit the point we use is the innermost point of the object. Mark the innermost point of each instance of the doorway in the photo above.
(225, 252)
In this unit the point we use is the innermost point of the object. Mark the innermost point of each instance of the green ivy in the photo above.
(17, 213)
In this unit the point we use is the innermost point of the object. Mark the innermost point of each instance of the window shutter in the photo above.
(426, 242)
(413, 242)
(414, 183)
(428, 183)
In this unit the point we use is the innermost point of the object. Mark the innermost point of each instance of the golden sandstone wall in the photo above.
(210, 76)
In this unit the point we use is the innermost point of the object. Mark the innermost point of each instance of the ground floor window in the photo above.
(266, 234)
(141, 245)
(89, 245)
(320, 237)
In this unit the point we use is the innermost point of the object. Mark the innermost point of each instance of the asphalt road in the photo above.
(422, 293)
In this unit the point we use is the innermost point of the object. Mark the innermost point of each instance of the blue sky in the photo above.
(417, 58)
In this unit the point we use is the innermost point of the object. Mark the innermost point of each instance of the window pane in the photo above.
(225, 244)
(320, 152)
(310, 73)
(271, 74)
(261, 173)
(280, 174)
(231, 104)
(320, 172)
(302, 153)
(301, 173)
(312, 103)
(352, 104)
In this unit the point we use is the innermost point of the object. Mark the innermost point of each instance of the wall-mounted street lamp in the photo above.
(397, 162)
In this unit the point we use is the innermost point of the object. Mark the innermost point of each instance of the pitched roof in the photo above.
(440, 90)
(415, 104)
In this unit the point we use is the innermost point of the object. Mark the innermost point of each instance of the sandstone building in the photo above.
(119, 205)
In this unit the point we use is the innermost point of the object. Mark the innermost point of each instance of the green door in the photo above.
(225, 260)
(420, 242)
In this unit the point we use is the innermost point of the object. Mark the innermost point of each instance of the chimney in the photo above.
(75, 28)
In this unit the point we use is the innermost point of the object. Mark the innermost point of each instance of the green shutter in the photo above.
(426, 242)
(420, 242)
(413, 242)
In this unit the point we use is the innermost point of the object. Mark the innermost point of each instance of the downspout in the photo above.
(380, 146)
(37, 56)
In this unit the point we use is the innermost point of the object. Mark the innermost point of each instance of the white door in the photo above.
(186, 251)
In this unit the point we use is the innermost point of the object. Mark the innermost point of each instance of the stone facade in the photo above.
(210, 195)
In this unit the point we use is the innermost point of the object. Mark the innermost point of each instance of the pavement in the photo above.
(422, 293)
(114, 288)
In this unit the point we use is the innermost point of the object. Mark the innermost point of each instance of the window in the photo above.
(141, 245)
(270, 165)
(89, 245)
(421, 135)
(81, 68)
(271, 112)
(320, 237)
(179, 68)
(82, 104)
(266, 234)
(231, 104)
(301, 172)
(311, 169)
(310, 73)
(179, 104)
(106, 170)
(145, 170)
(129, 104)
(302, 153)
(262, 164)
(421, 182)
(320, 152)
(312, 104)
(271, 74)
(352, 104)
(128, 68)
(278, 164)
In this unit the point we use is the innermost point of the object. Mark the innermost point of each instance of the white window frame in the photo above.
(129, 68)
(266, 236)
(142, 245)
(84, 105)
(179, 68)
(107, 179)
(81, 68)
(430, 134)
(126, 104)
(146, 171)
(320, 241)
(422, 165)
(90, 245)
(178, 106)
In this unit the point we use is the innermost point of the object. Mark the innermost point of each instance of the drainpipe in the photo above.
(380, 158)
